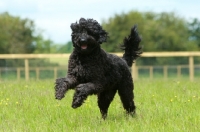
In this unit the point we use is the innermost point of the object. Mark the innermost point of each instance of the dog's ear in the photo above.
(74, 26)
(103, 35)
(83, 22)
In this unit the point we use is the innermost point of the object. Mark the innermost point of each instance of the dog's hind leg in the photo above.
(104, 100)
(126, 95)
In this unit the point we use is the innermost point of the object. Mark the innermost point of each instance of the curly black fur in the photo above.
(91, 70)
(131, 46)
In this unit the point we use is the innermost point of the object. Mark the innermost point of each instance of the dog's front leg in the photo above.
(82, 91)
(62, 85)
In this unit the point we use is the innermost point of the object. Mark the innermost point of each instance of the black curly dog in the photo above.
(91, 70)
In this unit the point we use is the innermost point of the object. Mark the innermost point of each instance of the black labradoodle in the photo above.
(91, 70)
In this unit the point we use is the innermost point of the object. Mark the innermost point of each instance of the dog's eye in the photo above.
(73, 34)
(89, 32)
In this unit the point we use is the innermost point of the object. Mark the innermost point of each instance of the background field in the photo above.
(171, 105)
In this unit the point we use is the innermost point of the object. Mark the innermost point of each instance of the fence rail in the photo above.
(151, 72)
(135, 68)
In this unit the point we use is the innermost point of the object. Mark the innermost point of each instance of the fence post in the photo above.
(134, 71)
(18, 73)
(55, 73)
(37, 73)
(178, 71)
(191, 67)
(165, 72)
(26, 69)
(151, 72)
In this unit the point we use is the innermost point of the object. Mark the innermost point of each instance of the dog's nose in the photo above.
(83, 40)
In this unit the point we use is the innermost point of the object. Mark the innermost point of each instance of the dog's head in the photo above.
(87, 35)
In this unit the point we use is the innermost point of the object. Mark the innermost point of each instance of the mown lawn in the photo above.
(162, 106)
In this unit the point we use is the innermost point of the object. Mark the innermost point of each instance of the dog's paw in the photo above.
(79, 96)
(78, 101)
(60, 88)
(59, 92)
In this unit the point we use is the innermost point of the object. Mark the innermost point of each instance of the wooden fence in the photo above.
(151, 72)
(26, 58)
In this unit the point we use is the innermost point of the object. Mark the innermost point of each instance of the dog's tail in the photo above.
(131, 46)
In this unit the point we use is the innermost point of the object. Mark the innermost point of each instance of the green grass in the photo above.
(162, 106)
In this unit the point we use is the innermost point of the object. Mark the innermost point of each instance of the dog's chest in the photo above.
(86, 71)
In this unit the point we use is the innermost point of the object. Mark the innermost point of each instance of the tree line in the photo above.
(164, 31)
(159, 31)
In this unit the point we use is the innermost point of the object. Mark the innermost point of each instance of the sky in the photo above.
(54, 17)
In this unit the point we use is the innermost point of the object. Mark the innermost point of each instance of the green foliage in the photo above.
(118, 27)
(16, 35)
(20, 36)
(159, 32)
(42, 45)
(67, 48)
(170, 106)
(194, 30)
(62, 48)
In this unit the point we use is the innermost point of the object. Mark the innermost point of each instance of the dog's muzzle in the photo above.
(83, 43)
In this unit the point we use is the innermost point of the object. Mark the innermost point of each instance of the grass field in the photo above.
(162, 106)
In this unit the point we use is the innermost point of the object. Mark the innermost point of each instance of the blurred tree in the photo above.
(118, 27)
(62, 48)
(42, 45)
(16, 34)
(67, 48)
(194, 30)
(20, 36)
(159, 32)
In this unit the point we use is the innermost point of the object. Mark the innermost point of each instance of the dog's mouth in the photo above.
(83, 46)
